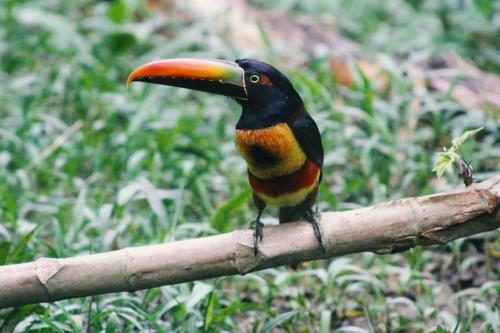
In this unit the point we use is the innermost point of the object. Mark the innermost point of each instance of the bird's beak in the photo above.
(209, 75)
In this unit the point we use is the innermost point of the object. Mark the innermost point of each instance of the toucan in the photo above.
(276, 136)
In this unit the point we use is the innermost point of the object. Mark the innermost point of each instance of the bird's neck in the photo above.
(258, 116)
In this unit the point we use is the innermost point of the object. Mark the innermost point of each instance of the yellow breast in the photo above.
(270, 152)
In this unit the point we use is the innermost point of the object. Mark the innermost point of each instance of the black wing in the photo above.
(307, 134)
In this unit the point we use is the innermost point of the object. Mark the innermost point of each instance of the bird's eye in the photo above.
(254, 78)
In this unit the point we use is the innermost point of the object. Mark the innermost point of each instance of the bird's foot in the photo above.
(313, 217)
(258, 233)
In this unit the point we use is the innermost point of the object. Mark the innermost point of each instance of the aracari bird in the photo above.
(275, 135)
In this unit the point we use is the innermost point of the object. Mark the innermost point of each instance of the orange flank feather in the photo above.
(278, 141)
(287, 190)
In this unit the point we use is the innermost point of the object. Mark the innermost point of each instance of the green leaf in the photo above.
(274, 322)
(222, 217)
(4, 252)
(112, 323)
(13, 318)
(457, 142)
(325, 321)
(486, 7)
(200, 291)
(236, 307)
(367, 91)
(439, 329)
(53, 325)
(117, 12)
(443, 163)
(19, 253)
(209, 312)
(120, 41)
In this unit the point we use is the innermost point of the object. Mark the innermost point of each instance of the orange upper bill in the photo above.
(210, 75)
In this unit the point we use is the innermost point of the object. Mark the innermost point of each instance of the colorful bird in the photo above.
(275, 135)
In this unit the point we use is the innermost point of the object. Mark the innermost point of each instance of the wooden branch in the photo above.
(385, 228)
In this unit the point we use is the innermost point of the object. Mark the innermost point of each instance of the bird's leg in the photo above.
(313, 217)
(257, 227)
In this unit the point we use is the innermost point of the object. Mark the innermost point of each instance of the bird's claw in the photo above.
(258, 234)
(313, 217)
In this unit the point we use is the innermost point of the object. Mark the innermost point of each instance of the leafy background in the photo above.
(87, 165)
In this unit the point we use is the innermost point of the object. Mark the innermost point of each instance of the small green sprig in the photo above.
(451, 156)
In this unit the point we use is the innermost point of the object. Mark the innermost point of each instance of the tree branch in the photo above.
(385, 228)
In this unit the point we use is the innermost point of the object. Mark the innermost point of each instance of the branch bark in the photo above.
(385, 228)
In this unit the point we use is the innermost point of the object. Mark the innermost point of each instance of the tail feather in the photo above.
(291, 214)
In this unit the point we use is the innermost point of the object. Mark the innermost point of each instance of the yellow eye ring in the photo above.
(254, 78)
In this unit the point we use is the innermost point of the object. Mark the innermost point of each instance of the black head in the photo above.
(266, 96)
(271, 97)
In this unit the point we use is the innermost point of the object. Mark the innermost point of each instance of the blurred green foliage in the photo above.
(469, 27)
(87, 165)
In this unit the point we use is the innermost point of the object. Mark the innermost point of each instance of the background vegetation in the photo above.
(87, 165)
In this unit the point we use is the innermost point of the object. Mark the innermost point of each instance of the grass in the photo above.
(87, 165)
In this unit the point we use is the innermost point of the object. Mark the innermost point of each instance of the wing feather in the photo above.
(307, 134)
